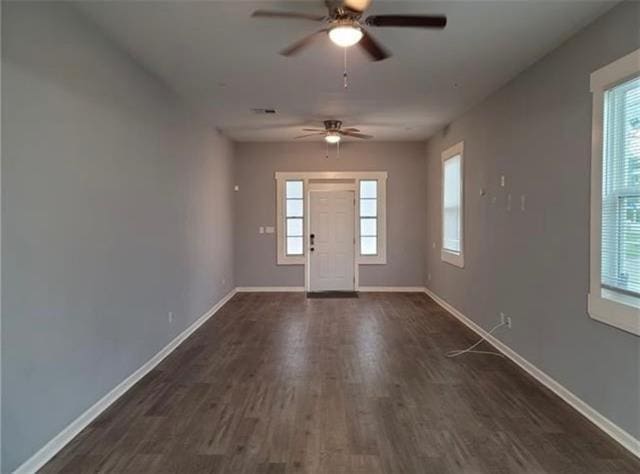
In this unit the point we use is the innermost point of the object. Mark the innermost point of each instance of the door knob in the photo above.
(312, 249)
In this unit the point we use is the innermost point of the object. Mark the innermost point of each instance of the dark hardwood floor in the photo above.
(277, 383)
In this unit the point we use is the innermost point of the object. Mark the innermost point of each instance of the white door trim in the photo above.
(322, 177)
(307, 231)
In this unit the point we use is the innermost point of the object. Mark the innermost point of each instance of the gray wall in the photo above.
(117, 208)
(256, 164)
(534, 265)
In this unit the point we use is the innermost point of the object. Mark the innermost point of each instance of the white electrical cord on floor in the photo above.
(469, 350)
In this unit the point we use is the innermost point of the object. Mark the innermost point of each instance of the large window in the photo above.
(452, 205)
(621, 189)
(615, 241)
(368, 217)
(294, 209)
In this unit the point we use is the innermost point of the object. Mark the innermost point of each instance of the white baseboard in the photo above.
(50, 449)
(628, 441)
(392, 289)
(269, 289)
(386, 289)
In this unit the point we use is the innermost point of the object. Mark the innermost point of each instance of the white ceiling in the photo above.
(225, 63)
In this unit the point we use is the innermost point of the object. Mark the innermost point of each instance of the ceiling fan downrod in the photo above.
(345, 75)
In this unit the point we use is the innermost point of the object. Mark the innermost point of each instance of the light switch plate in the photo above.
(270, 229)
(261, 230)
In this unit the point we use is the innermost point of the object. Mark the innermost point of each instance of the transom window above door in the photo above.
(292, 190)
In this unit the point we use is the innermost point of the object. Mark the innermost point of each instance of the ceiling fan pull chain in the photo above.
(345, 74)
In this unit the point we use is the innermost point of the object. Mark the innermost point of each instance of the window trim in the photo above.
(448, 256)
(610, 307)
(287, 218)
(282, 257)
(360, 217)
(282, 176)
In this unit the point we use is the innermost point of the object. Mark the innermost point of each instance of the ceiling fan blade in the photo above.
(287, 15)
(372, 47)
(357, 5)
(309, 135)
(408, 21)
(304, 42)
(313, 130)
(354, 134)
(350, 129)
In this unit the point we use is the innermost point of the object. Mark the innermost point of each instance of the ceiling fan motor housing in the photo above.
(332, 124)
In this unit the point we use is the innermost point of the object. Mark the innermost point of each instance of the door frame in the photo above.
(337, 185)
(307, 177)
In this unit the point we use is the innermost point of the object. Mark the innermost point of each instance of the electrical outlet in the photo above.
(429, 277)
(170, 317)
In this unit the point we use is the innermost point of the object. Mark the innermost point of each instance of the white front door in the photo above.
(331, 240)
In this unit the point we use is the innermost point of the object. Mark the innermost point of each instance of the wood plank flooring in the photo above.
(277, 383)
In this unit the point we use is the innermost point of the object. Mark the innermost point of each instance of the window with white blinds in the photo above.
(452, 205)
(614, 288)
(621, 189)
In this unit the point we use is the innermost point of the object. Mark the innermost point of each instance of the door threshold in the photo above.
(332, 294)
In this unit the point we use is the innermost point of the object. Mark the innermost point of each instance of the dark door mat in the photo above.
(332, 294)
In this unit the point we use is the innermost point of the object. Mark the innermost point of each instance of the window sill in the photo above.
(614, 309)
(371, 259)
(360, 260)
(456, 259)
(291, 260)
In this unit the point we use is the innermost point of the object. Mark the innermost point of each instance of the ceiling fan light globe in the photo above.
(332, 138)
(345, 35)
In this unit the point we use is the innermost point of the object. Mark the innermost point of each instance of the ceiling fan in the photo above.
(344, 25)
(333, 132)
